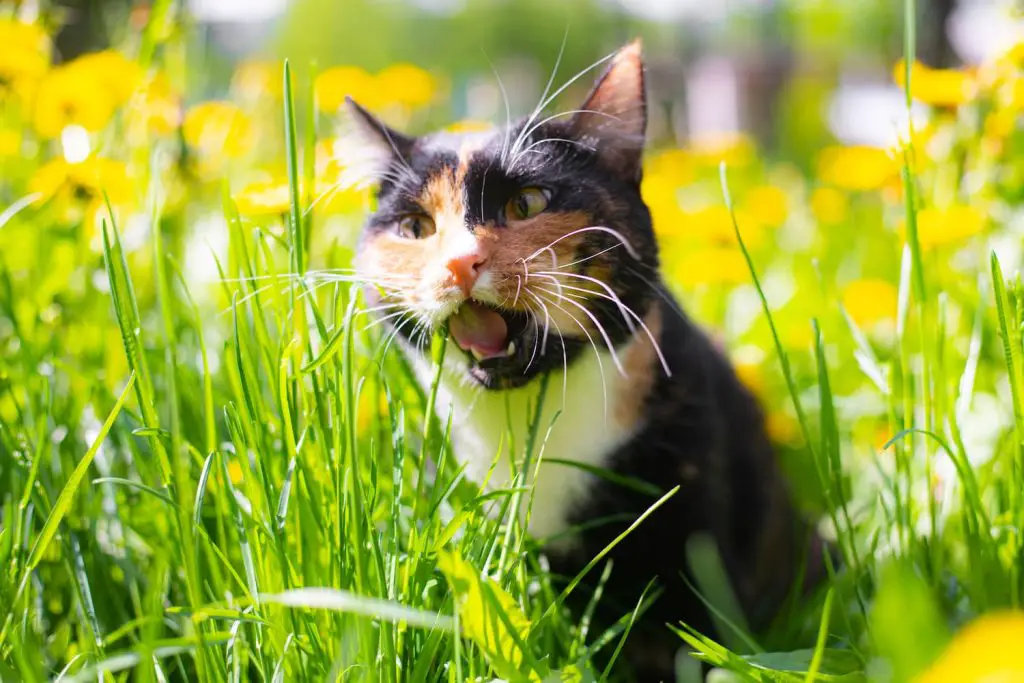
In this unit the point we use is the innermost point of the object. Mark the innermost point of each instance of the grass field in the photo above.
(214, 467)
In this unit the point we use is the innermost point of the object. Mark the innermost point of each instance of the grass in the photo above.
(249, 484)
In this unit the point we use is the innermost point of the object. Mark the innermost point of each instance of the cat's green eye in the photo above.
(527, 203)
(415, 227)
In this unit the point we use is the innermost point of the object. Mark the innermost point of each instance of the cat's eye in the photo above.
(415, 227)
(527, 203)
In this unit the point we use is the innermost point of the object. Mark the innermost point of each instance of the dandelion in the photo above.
(857, 168)
(869, 301)
(406, 84)
(937, 87)
(713, 226)
(735, 149)
(218, 131)
(155, 107)
(77, 190)
(23, 59)
(334, 84)
(110, 69)
(469, 126)
(829, 205)
(69, 97)
(769, 204)
(711, 266)
(950, 225)
(988, 650)
(264, 198)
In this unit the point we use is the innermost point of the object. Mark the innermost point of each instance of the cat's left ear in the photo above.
(368, 146)
(613, 119)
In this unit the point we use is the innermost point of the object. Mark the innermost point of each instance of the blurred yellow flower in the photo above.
(829, 205)
(938, 87)
(334, 84)
(218, 129)
(857, 168)
(255, 79)
(115, 73)
(235, 472)
(767, 203)
(941, 227)
(659, 193)
(870, 300)
(67, 97)
(24, 58)
(988, 650)
(711, 266)
(155, 106)
(83, 181)
(713, 225)
(406, 84)
(10, 142)
(782, 428)
(752, 377)
(735, 149)
(264, 198)
(671, 165)
(469, 126)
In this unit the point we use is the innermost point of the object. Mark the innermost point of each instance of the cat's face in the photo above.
(531, 242)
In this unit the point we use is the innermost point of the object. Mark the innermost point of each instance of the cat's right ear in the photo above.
(368, 146)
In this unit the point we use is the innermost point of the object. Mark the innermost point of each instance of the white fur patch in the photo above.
(585, 431)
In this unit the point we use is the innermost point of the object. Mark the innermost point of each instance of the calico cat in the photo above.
(533, 244)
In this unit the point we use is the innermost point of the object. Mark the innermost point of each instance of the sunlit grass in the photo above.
(241, 480)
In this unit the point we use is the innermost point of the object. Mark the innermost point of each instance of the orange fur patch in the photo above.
(641, 365)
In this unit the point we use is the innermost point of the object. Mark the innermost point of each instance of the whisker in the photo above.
(600, 228)
(598, 325)
(593, 344)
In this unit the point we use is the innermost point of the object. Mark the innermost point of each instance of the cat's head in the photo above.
(531, 241)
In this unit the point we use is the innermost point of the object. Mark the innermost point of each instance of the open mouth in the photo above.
(491, 336)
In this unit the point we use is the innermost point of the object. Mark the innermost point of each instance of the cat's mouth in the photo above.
(493, 337)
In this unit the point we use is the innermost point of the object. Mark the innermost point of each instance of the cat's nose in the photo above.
(465, 269)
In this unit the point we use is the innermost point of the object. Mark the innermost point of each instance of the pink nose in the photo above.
(465, 270)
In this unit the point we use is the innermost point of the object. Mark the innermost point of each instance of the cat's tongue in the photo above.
(479, 330)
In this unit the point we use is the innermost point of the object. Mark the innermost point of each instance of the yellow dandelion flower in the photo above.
(782, 427)
(735, 149)
(672, 165)
(155, 107)
(988, 650)
(829, 205)
(264, 198)
(218, 130)
(752, 377)
(937, 87)
(951, 225)
(469, 126)
(711, 266)
(82, 182)
(869, 301)
(10, 143)
(334, 84)
(68, 96)
(406, 84)
(769, 204)
(24, 59)
(256, 79)
(659, 193)
(713, 225)
(235, 472)
(118, 75)
(857, 168)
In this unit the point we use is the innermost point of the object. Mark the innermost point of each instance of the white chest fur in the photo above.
(591, 423)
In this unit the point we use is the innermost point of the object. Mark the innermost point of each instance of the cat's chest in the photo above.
(584, 423)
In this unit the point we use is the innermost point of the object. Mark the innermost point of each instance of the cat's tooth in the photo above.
(511, 348)
(476, 354)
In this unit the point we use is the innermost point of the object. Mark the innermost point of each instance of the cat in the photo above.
(533, 245)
